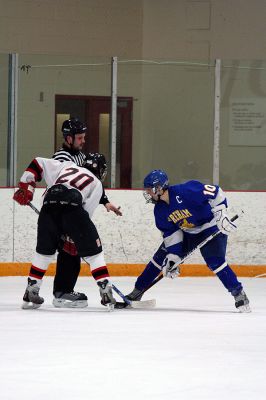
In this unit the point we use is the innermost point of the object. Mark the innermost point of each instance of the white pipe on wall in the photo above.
(216, 134)
(12, 120)
(113, 121)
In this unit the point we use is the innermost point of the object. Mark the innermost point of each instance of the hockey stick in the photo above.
(34, 208)
(159, 277)
(132, 303)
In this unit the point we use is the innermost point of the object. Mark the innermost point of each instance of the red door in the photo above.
(95, 111)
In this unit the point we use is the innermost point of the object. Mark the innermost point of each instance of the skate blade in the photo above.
(29, 306)
(69, 304)
(136, 304)
(244, 309)
(143, 304)
(120, 305)
(110, 307)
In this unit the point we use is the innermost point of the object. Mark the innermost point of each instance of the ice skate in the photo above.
(242, 302)
(106, 294)
(70, 300)
(31, 298)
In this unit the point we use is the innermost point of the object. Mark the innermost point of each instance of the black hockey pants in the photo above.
(56, 220)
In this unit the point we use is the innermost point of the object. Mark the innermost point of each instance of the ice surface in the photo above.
(194, 345)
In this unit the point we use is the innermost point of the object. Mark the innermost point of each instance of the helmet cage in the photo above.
(96, 163)
(157, 181)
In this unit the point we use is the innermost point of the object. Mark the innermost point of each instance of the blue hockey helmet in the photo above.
(156, 180)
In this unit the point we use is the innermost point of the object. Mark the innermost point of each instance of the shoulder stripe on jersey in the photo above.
(36, 170)
(219, 198)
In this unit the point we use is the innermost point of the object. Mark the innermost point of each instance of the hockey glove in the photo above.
(224, 224)
(68, 245)
(24, 194)
(106, 292)
(171, 266)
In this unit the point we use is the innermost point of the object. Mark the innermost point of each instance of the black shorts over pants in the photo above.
(56, 219)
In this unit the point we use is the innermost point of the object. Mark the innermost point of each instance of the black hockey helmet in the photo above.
(96, 163)
(72, 127)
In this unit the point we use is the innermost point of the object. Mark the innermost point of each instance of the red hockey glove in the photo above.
(25, 193)
(69, 246)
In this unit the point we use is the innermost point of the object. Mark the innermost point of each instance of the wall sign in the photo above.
(247, 122)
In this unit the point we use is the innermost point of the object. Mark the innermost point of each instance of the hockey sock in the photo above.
(100, 273)
(97, 266)
(228, 278)
(39, 266)
(36, 273)
(147, 276)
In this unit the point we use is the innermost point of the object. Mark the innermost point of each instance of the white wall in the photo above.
(133, 238)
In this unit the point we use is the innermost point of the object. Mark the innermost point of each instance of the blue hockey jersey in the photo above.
(189, 210)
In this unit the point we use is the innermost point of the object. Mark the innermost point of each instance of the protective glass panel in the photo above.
(3, 118)
(243, 125)
(172, 117)
(52, 89)
(165, 113)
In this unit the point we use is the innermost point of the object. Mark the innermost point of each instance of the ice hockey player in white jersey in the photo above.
(68, 262)
(72, 195)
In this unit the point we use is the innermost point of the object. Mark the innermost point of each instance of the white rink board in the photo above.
(133, 238)
(7, 206)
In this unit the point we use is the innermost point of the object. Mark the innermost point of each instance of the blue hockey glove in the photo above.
(170, 266)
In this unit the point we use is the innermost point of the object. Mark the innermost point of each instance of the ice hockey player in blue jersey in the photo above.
(186, 214)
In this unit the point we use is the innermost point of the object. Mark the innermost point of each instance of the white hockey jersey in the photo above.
(68, 174)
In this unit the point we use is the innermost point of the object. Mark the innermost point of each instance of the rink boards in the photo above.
(130, 241)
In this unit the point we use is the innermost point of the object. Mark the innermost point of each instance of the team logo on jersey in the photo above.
(185, 224)
(179, 215)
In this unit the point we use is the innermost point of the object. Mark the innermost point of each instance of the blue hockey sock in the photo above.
(228, 279)
(147, 276)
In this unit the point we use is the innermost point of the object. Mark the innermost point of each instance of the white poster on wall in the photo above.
(247, 122)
